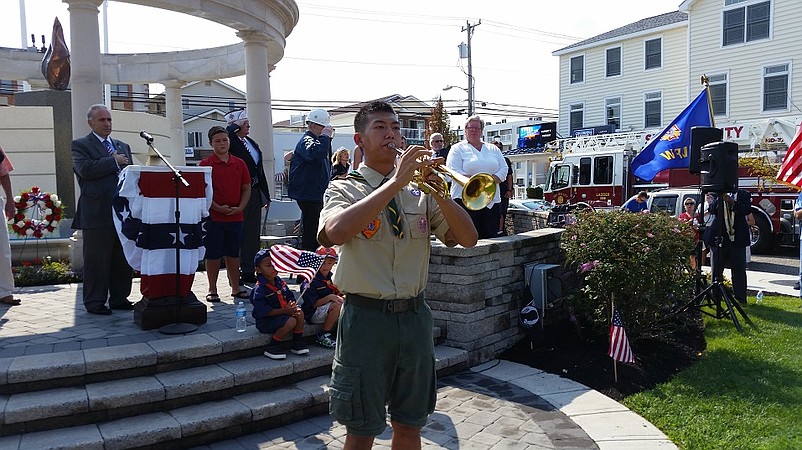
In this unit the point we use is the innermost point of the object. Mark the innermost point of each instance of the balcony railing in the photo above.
(414, 133)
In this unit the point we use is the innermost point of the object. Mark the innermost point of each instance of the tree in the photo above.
(439, 122)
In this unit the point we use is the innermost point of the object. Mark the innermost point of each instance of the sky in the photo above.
(347, 51)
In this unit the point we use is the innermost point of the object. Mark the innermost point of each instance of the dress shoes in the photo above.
(127, 306)
(100, 310)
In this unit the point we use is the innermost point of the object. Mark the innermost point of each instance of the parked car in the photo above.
(528, 204)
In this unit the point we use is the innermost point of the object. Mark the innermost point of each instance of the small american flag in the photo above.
(619, 344)
(292, 260)
(791, 168)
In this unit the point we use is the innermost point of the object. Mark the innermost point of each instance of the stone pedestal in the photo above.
(62, 133)
(155, 313)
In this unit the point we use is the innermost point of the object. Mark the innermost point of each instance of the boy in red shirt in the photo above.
(231, 189)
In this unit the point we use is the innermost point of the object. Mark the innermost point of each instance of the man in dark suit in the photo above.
(735, 236)
(246, 149)
(97, 160)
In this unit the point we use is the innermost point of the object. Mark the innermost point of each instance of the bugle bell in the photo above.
(477, 191)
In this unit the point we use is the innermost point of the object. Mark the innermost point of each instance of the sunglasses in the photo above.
(690, 204)
(437, 140)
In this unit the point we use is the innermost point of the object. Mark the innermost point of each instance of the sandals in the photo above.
(10, 301)
(212, 298)
(241, 295)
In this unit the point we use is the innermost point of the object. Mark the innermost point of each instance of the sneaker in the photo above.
(298, 347)
(325, 340)
(274, 351)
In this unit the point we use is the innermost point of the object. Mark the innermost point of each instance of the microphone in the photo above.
(146, 136)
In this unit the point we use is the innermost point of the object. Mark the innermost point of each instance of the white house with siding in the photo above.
(632, 78)
(640, 76)
(749, 50)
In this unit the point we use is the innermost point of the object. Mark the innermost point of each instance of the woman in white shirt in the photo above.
(473, 156)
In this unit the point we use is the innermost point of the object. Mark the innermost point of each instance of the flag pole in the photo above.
(706, 83)
(612, 313)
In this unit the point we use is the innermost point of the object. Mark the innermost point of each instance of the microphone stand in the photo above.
(177, 327)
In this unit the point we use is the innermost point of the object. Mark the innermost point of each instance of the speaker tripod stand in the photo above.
(715, 296)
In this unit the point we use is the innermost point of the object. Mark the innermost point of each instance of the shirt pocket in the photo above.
(417, 221)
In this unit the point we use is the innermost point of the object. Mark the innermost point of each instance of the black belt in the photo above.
(395, 306)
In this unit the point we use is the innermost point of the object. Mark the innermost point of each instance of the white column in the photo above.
(174, 112)
(86, 79)
(257, 86)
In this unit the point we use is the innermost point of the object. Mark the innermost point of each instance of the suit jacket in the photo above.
(742, 208)
(98, 175)
(255, 168)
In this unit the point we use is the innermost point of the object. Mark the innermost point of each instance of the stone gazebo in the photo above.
(263, 26)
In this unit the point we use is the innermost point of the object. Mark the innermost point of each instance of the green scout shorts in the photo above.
(383, 363)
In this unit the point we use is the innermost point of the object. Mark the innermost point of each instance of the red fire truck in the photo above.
(594, 172)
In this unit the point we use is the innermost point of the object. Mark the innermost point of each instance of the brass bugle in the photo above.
(477, 191)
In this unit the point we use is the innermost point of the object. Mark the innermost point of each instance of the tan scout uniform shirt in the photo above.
(375, 263)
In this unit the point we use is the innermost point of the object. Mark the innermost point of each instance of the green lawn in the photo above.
(745, 392)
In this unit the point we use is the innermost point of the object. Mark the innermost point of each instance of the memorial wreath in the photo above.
(38, 213)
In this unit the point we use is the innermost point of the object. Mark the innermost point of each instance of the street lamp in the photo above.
(470, 97)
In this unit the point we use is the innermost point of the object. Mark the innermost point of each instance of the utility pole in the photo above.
(469, 28)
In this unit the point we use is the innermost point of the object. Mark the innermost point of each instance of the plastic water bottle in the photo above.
(241, 321)
(759, 296)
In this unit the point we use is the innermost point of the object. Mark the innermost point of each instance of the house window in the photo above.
(652, 106)
(746, 23)
(612, 111)
(613, 62)
(194, 139)
(7, 87)
(718, 93)
(603, 170)
(653, 53)
(577, 69)
(577, 116)
(119, 90)
(184, 103)
(775, 87)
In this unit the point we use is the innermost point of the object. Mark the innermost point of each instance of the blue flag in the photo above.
(670, 149)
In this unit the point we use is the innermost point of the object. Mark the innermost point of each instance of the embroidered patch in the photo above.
(371, 229)
(423, 225)
(414, 191)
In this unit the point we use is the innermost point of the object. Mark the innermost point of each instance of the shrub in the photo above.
(538, 194)
(640, 260)
(43, 272)
(530, 192)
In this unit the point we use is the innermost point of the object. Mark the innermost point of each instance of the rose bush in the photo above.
(640, 260)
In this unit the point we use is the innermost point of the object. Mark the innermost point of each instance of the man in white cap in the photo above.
(246, 149)
(310, 171)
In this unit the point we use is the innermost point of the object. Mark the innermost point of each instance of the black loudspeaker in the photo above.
(701, 136)
(719, 167)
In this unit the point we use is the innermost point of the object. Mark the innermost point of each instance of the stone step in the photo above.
(77, 368)
(218, 417)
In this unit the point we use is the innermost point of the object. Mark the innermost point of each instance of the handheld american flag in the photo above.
(619, 344)
(292, 260)
(791, 168)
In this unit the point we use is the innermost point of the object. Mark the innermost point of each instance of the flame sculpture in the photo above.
(56, 62)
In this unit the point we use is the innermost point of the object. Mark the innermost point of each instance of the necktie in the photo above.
(395, 218)
(108, 147)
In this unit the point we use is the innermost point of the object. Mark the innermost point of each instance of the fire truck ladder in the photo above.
(634, 140)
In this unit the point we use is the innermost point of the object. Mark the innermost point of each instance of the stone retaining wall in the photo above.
(475, 293)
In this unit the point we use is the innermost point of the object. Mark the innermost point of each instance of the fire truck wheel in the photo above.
(761, 235)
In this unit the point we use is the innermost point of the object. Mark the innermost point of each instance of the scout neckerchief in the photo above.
(392, 207)
(331, 286)
(277, 290)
